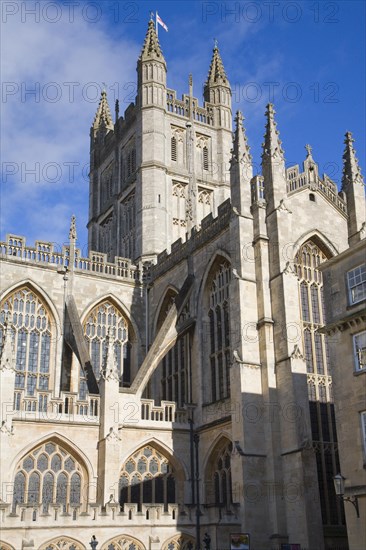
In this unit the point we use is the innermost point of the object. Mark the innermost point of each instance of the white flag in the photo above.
(161, 22)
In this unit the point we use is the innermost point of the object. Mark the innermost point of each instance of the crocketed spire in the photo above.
(241, 169)
(151, 48)
(216, 74)
(241, 149)
(272, 143)
(351, 168)
(103, 117)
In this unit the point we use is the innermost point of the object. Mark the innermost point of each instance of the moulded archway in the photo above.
(62, 543)
(181, 541)
(123, 542)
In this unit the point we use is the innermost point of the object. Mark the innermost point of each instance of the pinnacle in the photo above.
(103, 115)
(72, 232)
(272, 143)
(241, 149)
(351, 168)
(216, 73)
(151, 47)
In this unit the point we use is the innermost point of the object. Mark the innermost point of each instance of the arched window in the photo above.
(219, 322)
(49, 475)
(31, 324)
(147, 477)
(63, 543)
(96, 325)
(180, 542)
(174, 371)
(219, 491)
(123, 542)
(315, 346)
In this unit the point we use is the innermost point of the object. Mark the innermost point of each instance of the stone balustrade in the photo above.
(52, 255)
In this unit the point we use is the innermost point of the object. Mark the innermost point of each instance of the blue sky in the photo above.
(306, 56)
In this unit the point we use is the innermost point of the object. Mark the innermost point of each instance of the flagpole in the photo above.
(156, 23)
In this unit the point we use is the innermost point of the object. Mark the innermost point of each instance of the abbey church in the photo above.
(172, 388)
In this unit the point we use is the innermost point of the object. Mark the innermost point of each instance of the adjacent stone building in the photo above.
(345, 299)
(174, 382)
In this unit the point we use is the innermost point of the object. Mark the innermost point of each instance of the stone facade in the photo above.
(345, 297)
(176, 376)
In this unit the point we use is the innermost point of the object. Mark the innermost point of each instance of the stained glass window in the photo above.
(48, 474)
(32, 325)
(147, 477)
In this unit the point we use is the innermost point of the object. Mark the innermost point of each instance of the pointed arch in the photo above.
(62, 543)
(182, 541)
(123, 542)
(149, 476)
(45, 474)
(312, 250)
(169, 293)
(179, 466)
(220, 255)
(119, 305)
(6, 546)
(171, 380)
(220, 441)
(318, 238)
(104, 312)
(58, 439)
(217, 470)
(45, 297)
(215, 349)
(35, 327)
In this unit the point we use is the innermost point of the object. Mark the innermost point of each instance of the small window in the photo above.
(205, 158)
(357, 284)
(363, 428)
(359, 347)
(174, 149)
(312, 197)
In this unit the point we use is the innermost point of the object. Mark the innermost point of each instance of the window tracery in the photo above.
(123, 542)
(49, 475)
(316, 354)
(96, 325)
(147, 477)
(31, 328)
(63, 543)
(219, 325)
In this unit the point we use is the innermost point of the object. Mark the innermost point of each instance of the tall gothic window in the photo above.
(175, 364)
(147, 477)
(128, 227)
(31, 326)
(307, 261)
(100, 319)
(218, 477)
(219, 323)
(222, 477)
(49, 475)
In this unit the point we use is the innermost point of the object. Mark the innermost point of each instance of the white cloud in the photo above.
(69, 62)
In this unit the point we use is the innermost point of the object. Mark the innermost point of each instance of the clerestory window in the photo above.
(31, 323)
